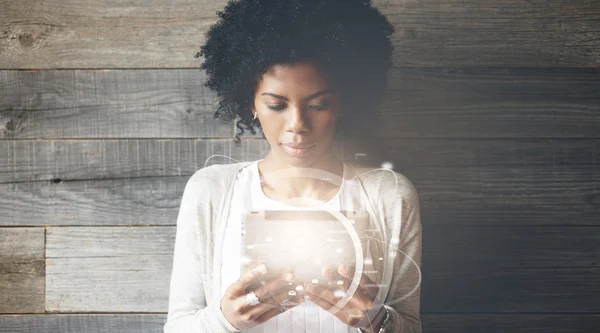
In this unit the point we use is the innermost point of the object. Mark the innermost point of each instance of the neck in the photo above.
(299, 180)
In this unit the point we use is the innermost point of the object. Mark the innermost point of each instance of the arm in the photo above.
(405, 314)
(188, 310)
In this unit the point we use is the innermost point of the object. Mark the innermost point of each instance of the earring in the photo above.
(255, 115)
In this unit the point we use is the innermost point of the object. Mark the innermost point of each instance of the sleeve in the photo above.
(406, 280)
(188, 310)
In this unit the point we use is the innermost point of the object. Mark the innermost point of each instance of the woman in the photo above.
(299, 70)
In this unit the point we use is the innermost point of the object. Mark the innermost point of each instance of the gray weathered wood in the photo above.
(510, 269)
(21, 270)
(437, 323)
(43, 160)
(106, 323)
(35, 160)
(108, 103)
(516, 269)
(137, 201)
(421, 103)
(108, 269)
(491, 103)
(127, 34)
(505, 33)
(525, 323)
(537, 195)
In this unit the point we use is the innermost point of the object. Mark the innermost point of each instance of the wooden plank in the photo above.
(108, 103)
(44, 160)
(437, 323)
(137, 201)
(494, 196)
(108, 269)
(106, 323)
(86, 34)
(491, 103)
(421, 103)
(485, 323)
(21, 270)
(459, 33)
(510, 269)
(491, 196)
(124, 34)
(465, 269)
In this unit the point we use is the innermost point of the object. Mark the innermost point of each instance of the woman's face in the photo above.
(297, 107)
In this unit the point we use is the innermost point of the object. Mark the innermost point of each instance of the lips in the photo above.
(297, 150)
(298, 146)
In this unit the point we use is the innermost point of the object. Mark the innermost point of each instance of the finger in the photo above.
(335, 279)
(272, 287)
(320, 298)
(276, 311)
(268, 293)
(366, 285)
(333, 296)
(348, 272)
(272, 305)
(239, 287)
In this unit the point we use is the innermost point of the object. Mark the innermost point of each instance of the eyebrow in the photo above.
(317, 94)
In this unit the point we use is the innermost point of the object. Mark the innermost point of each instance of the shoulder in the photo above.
(387, 183)
(216, 176)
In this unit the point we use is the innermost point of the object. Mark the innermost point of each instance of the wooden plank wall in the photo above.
(493, 112)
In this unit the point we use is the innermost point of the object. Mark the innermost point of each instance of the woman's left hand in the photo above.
(354, 313)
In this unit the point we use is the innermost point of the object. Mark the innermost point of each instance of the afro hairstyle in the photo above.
(349, 39)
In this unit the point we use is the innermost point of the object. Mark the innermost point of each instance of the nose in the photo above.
(297, 121)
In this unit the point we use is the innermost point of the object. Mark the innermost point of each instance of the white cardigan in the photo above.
(194, 298)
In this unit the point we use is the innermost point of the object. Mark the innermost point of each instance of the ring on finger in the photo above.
(252, 299)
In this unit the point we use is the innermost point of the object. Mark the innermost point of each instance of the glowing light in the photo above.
(339, 293)
(387, 165)
(380, 258)
(338, 250)
(368, 261)
(269, 239)
(340, 282)
(292, 293)
(299, 288)
(315, 281)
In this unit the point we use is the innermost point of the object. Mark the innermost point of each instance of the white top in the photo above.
(206, 207)
(247, 196)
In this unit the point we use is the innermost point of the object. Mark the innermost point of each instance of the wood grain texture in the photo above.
(501, 323)
(437, 323)
(128, 34)
(108, 269)
(510, 269)
(106, 323)
(420, 103)
(491, 196)
(21, 270)
(67, 160)
(44, 160)
(505, 33)
(108, 103)
(491, 103)
(104, 269)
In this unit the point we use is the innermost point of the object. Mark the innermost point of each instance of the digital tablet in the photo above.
(305, 240)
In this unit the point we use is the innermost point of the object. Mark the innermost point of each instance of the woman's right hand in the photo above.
(271, 294)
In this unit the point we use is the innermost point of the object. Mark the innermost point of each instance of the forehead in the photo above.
(301, 77)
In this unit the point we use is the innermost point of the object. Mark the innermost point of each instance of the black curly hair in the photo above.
(348, 39)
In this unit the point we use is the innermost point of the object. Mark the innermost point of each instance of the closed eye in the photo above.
(277, 107)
